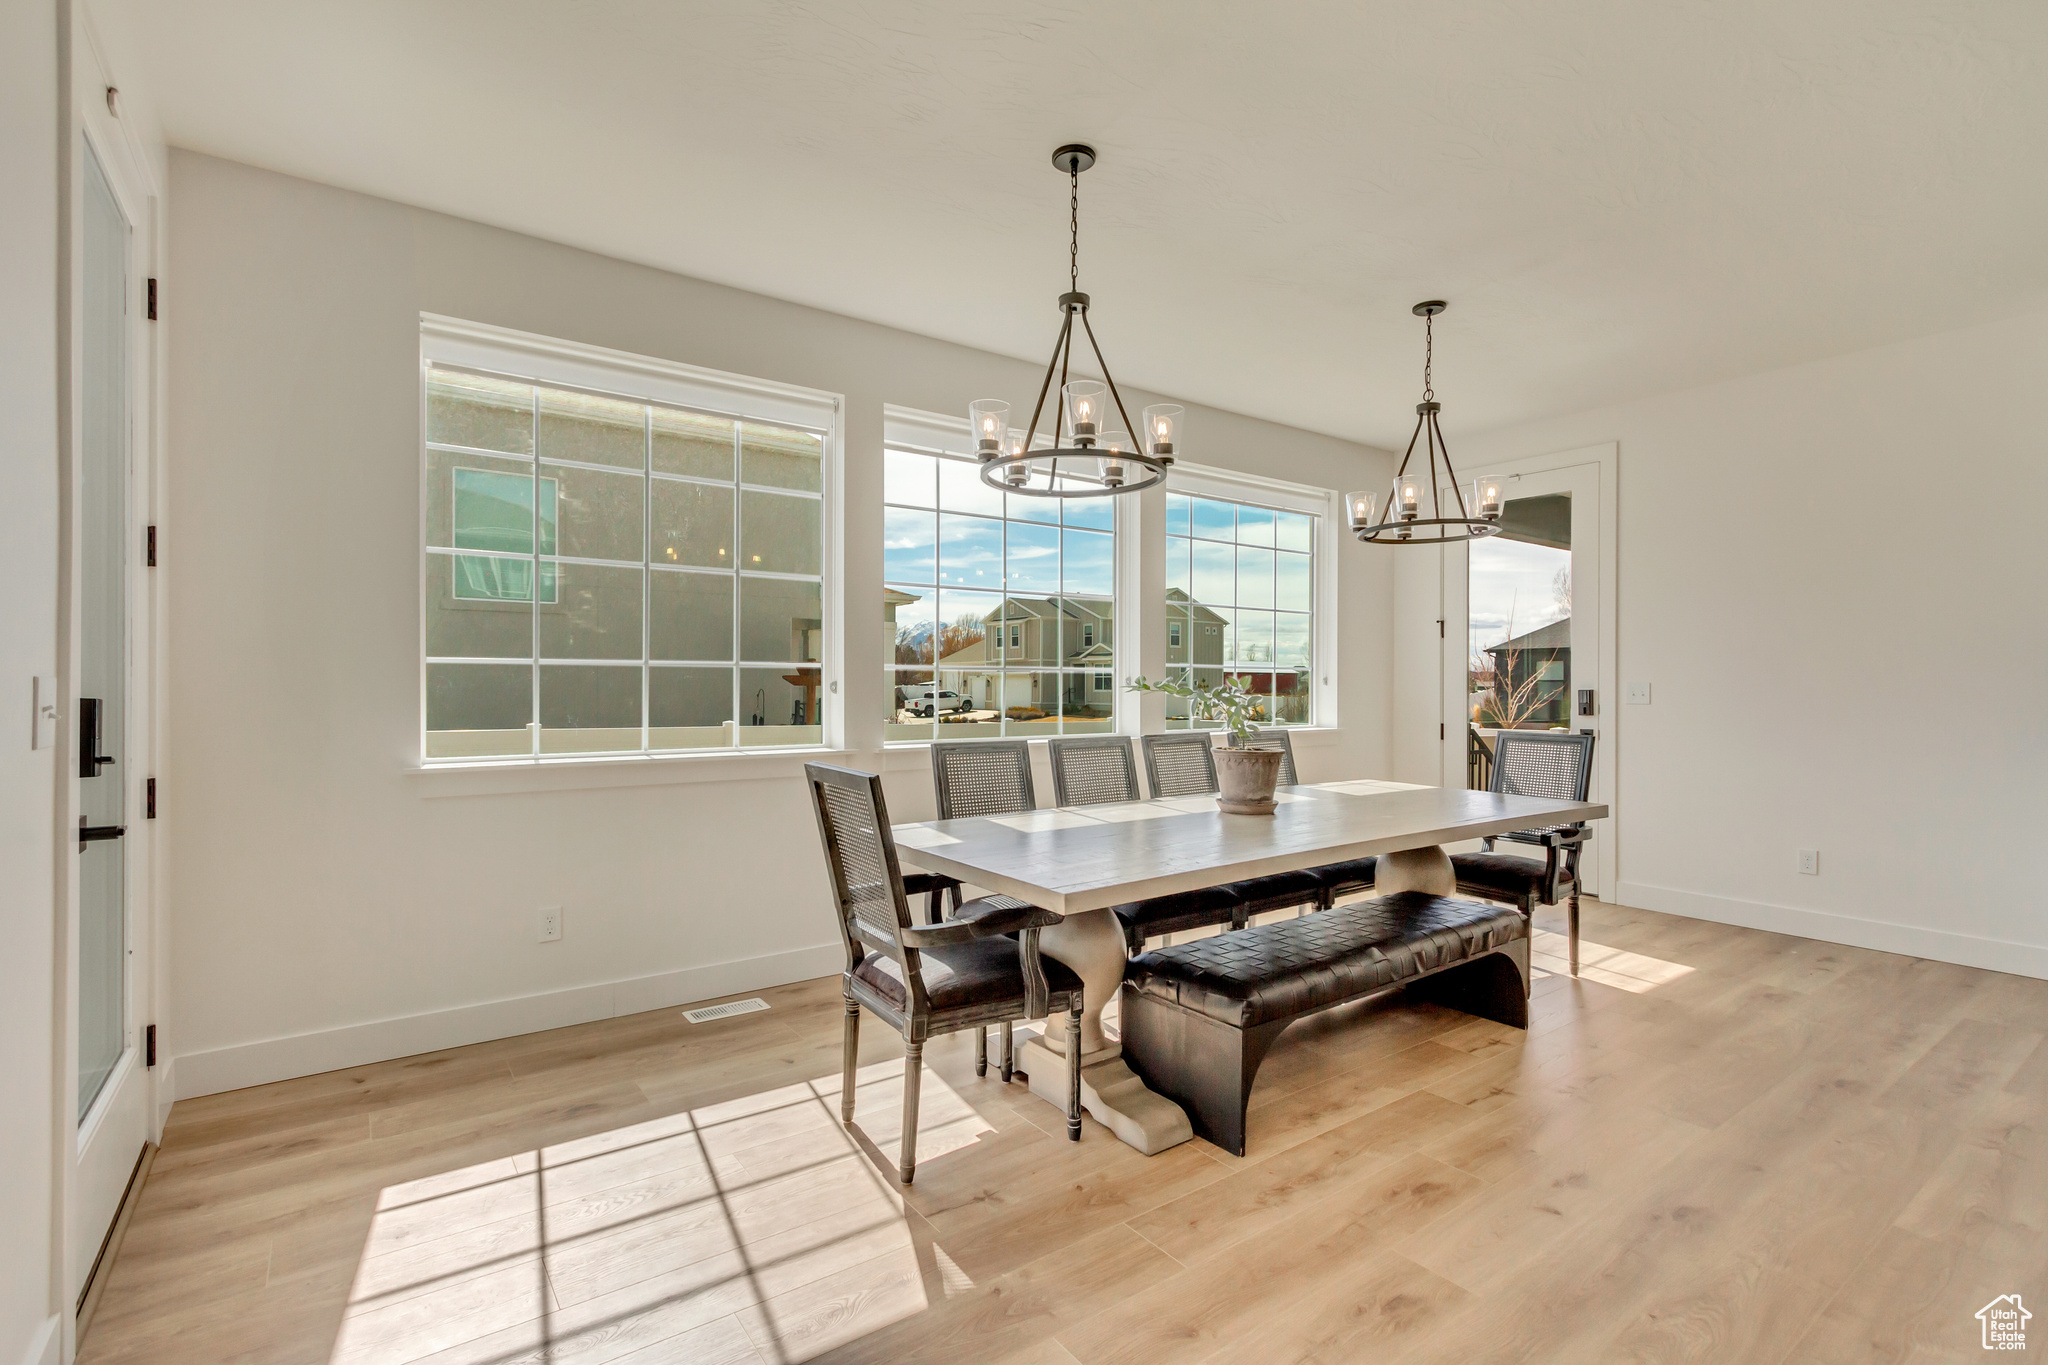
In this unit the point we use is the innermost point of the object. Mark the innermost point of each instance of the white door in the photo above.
(1527, 621)
(114, 1110)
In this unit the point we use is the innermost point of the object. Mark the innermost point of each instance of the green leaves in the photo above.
(1232, 703)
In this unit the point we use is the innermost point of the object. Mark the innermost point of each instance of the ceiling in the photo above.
(1618, 198)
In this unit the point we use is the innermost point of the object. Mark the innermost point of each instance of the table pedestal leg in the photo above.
(1416, 869)
(1092, 944)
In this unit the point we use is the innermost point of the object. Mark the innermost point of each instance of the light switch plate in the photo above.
(1638, 694)
(44, 699)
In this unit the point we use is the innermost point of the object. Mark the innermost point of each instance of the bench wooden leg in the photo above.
(1204, 1066)
(1494, 986)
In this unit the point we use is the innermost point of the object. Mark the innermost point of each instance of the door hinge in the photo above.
(152, 298)
(149, 1047)
(151, 547)
(149, 799)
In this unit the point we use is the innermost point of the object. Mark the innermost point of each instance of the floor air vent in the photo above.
(725, 1011)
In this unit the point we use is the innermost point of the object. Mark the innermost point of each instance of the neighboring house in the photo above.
(1194, 635)
(1534, 665)
(1026, 634)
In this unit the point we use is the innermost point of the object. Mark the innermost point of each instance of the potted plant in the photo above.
(1247, 776)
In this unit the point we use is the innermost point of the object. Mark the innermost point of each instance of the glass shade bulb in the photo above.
(990, 420)
(1162, 428)
(1085, 399)
(1016, 474)
(1358, 509)
(1112, 467)
(1406, 502)
(1488, 498)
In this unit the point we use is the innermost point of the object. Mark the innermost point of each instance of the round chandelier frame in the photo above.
(1403, 522)
(1100, 463)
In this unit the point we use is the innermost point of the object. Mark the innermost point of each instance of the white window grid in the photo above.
(1307, 671)
(738, 664)
(1012, 638)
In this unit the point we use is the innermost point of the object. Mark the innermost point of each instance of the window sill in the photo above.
(901, 755)
(508, 777)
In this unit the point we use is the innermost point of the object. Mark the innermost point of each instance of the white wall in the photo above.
(28, 647)
(325, 906)
(1832, 577)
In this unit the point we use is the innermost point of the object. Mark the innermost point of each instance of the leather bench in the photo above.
(1199, 1017)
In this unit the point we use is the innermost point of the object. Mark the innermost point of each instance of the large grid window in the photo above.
(662, 592)
(1001, 608)
(1240, 603)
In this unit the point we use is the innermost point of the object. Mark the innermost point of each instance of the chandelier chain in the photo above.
(1428, 354)
(1074, 229)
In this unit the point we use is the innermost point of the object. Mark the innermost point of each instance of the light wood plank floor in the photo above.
(1717, 1145)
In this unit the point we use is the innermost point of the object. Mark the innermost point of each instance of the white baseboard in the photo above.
(46, 1347)
(166, 1095)
(307, 1054)
(1965, 950)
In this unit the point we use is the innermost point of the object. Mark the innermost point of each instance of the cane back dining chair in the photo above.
(974, 777)
(1337, 879)
(1548, 763)
(927, 980)
(1090, 770)
(1184, 764)
(936, 887)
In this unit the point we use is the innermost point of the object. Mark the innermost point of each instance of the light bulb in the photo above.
(1112, 467)
(1407, 500)
(1486, 498)
(1359, 509)
(1084, 407)
(990, 419)
(1162, 428)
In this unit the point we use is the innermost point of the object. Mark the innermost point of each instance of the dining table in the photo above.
(1078, 861)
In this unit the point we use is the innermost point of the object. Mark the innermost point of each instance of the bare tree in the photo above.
(1511, 697)
(1561, 591)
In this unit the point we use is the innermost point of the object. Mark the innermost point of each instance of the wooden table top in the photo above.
(1077, 858)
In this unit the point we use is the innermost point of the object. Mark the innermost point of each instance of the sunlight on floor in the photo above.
(757, 1225)
(1631, 972)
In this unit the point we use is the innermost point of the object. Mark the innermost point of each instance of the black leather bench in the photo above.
(1199, 1017)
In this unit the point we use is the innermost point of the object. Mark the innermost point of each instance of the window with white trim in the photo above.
(663, 592)
(1241, 602)
(1000, 608)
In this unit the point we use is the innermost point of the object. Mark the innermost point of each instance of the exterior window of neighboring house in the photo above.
(676, 544)
(1006, 601)
(1105, 682)
(1245, 574)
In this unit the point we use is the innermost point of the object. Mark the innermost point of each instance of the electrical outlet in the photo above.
(1809, 862)
(551, 924)
(1638, 694)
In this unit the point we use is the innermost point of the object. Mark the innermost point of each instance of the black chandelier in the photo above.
(1101, 458)
(1404, 524)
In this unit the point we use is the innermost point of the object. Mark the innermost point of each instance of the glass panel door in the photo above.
(1522, 647)
(1519, 627)
(103, 640)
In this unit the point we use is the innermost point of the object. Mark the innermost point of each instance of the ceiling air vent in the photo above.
(725, 1011)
